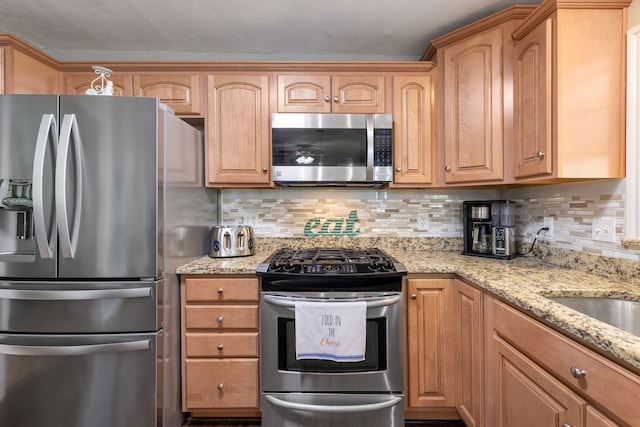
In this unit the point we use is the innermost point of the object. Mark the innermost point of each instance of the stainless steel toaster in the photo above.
(231, 241)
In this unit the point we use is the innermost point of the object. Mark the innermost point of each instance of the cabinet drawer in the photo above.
(605, 383)
(221, 317)
(227, 344)
(221, 383)
(220, 290)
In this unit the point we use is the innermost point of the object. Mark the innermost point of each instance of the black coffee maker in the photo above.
(489, 228)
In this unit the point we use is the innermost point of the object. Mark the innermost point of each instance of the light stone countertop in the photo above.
(523, 281)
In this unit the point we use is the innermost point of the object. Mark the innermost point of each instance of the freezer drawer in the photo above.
(80, 307)
(78, 380)
(332, 410)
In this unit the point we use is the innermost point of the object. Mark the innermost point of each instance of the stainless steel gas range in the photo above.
(331, 338)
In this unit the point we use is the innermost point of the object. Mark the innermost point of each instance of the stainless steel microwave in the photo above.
(332, 149)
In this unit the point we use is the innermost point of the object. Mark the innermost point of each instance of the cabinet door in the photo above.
(304, 93)
(429, 352)
(526, 396)
(532, 103)
(595, 418)
(469, 353)
(238, 131)
(358, 94)
(77, 84)
(473, 108)
(180, 91)
(413, 129)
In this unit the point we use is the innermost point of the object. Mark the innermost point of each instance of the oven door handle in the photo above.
(367, 407)
(289, 303)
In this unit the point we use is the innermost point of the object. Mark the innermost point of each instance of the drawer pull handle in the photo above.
(220, 387)
(577, 372)
(220, 291)
(220, 347)
(219, 319)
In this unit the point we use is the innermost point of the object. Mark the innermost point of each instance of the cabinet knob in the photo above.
(335, 99)
(414, 296)
(447, 168)
(540, 154)
(577, 372)
(398, 169)
(327, 98)
(220, 347)
(566, 425)
(220, 387)
(219, 319)
(264, 169)
(220, 291)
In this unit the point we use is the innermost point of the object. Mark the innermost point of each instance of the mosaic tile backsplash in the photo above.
(284, 212)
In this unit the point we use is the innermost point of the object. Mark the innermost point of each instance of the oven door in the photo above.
(381, 371)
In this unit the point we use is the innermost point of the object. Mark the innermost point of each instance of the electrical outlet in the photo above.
(548, 222)
(423, 222)
(604, 230)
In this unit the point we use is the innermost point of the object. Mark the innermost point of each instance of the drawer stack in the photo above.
(220, 346)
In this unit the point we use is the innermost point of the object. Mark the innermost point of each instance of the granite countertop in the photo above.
(523, 281)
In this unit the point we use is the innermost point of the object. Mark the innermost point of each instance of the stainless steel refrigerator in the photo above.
(89, 334)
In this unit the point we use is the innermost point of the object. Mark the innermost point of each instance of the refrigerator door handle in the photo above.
(71, 295)
(45, 240)
(74, 350)
(68, 134)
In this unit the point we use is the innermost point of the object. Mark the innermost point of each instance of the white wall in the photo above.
(634, 14)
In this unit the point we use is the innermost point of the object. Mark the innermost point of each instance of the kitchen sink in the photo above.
(623, 314)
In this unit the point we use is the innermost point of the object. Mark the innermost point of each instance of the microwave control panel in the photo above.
(382, 147)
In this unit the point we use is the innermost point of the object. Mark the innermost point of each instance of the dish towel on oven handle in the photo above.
(331, 330)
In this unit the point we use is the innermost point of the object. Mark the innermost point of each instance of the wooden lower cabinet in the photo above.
(527, 396)
(468, 353)
(429, 388)
(220, 346)
(534, 384)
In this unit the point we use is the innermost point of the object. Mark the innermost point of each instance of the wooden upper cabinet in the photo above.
(475, 106)
(180, 91)
(238, 131)
(569, 92)
(25, 70)
(473, 134)
(413, 129)
(321, 93)
(78, 83)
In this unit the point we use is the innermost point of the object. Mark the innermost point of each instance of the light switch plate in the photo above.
(604, 229)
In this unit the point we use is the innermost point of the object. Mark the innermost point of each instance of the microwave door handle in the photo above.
(74, 350)
(68, 132)
(288, 303)
(48, 132)
(369, 123)
(341, 409)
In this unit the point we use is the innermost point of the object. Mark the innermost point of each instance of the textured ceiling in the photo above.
(239, 29)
